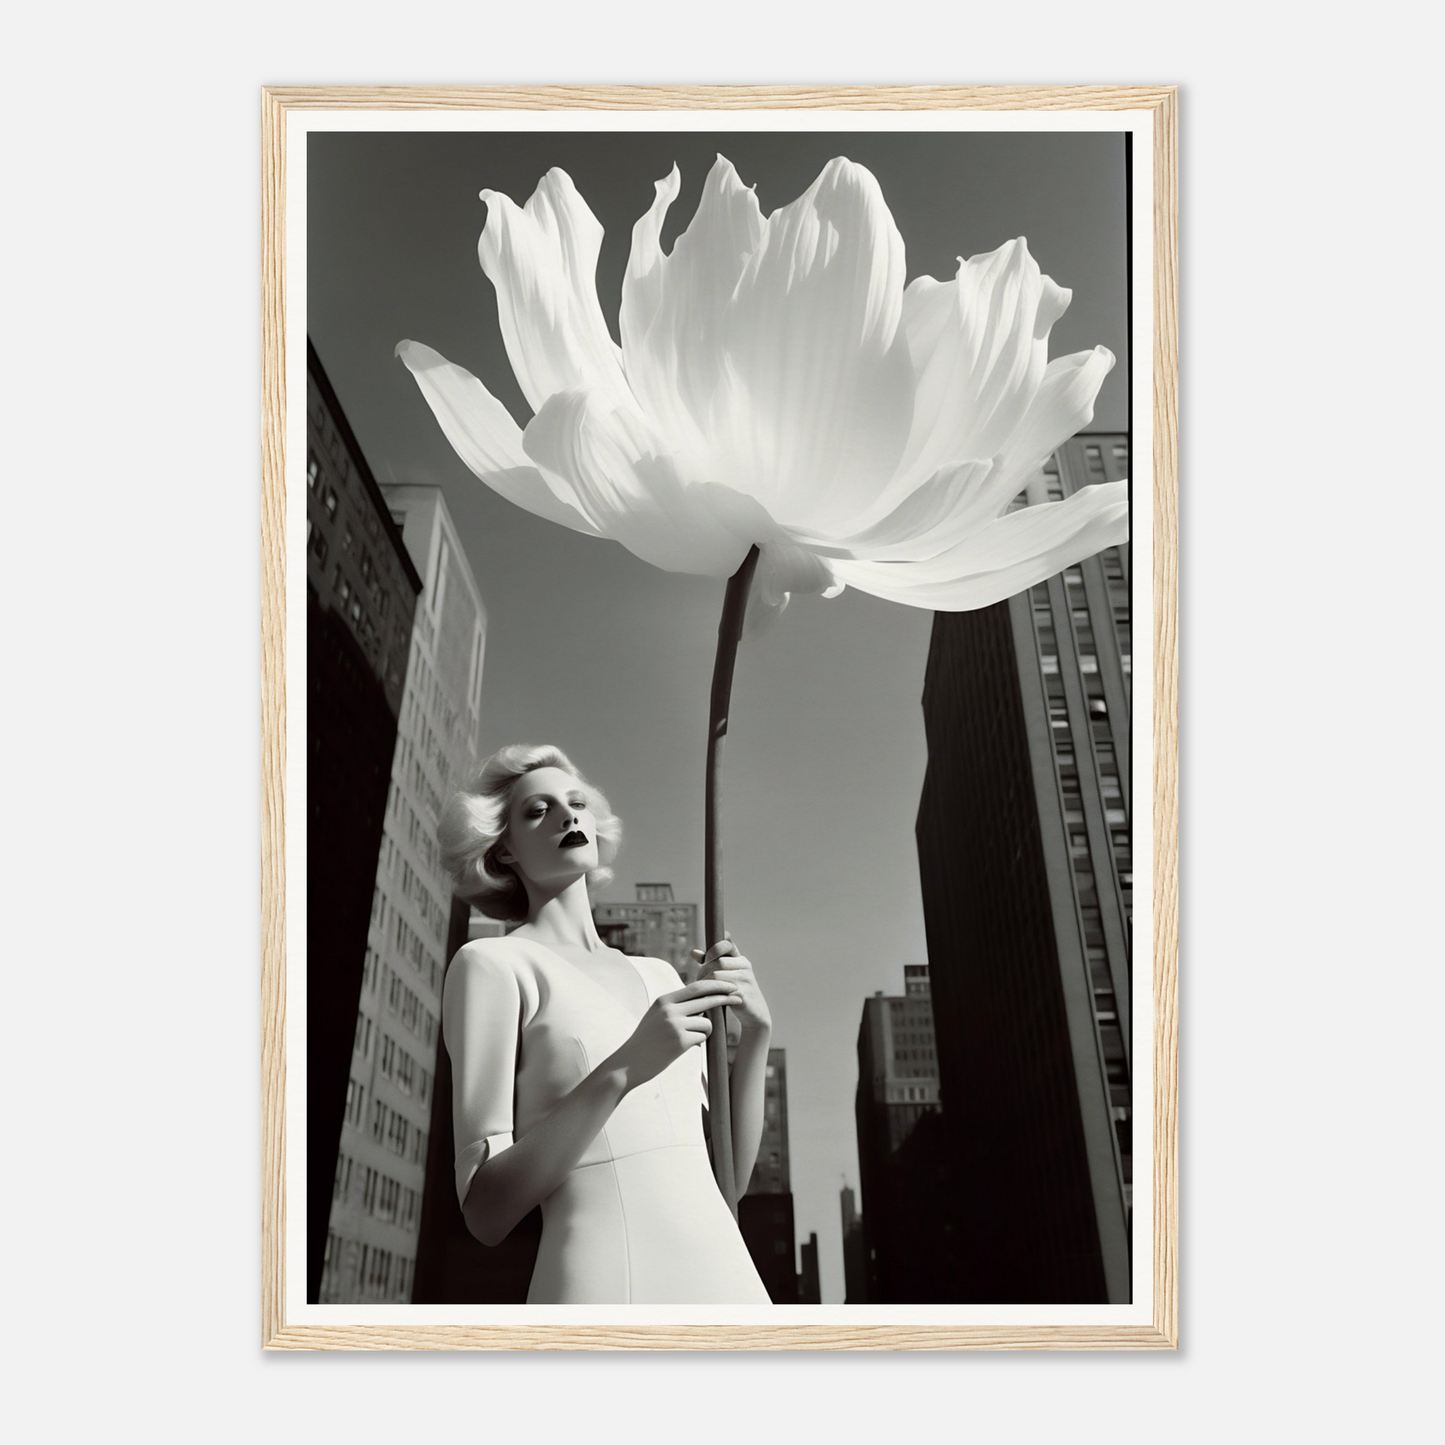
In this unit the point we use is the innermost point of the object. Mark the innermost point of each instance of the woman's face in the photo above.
(551, 831)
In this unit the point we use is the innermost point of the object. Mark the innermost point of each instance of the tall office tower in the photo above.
(381, 1171)
(908, 1233)
(361, 591)
(772, 1174)
(855, 1253)
(654, 925)
(1024, 858)
(810, 1289)
(765, 1211)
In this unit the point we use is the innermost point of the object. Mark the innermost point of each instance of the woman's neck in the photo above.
(564, 918)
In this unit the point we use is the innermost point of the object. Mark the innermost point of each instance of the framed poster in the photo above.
(915, 346)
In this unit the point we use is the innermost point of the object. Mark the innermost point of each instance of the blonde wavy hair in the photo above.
(474, 824)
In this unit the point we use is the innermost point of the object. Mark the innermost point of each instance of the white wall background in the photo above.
(1311, 519)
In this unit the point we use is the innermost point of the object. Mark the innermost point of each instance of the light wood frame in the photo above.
(1163, 1331)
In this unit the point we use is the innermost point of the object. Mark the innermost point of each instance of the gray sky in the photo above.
(610, 659)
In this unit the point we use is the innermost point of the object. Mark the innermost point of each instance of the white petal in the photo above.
(631, 489)
(1064, 405)
(817, 385)
(940, 513)
(761, 613)
(543, 262)
(958, 501)
(784, 569)
(484, 436)
(673, 307)
(1011, 553)
(979, 346)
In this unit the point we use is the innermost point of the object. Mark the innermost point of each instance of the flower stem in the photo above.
(729, 630)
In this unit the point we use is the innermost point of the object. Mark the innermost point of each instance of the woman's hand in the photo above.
(512, 1181)
(675, 1023)
(723, 962)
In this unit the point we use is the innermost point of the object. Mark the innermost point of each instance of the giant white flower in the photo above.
(778, 384)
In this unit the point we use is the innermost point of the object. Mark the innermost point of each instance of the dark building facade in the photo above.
(855, 1252)
(765, 1211)
(810, 1289)
(361, 592)
(1024, 857)
(908, 1232)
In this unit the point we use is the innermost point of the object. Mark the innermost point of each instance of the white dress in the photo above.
(639, 1220)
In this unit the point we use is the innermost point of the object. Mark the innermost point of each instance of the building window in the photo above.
(354, 1094)
(387, 1199)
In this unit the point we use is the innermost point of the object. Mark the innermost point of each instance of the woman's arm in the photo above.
(514, 1180)
(748, 1078)
(749, 1094)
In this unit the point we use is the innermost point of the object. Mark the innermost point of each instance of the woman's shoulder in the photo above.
(491, 973)
(486, 948)
(483, 956)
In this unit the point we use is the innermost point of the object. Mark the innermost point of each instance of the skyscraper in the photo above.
(855, 1253)
(810, 1290)
(1026, 871)
(380, 1178)
(772, 1174)
(908, 1233)
(361, 591)
(765, 1211)
(653, 925)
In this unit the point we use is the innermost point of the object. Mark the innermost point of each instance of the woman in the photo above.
(577, 1072)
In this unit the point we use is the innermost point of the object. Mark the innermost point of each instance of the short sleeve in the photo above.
(481, 1020)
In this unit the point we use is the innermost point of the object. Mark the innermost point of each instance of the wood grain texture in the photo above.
(722, 97)
(716, 1337)
(273, 716)
(1162, 1333)
(1166, 720)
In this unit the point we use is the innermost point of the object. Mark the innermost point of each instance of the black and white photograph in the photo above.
(702, 513)
(719, 724)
